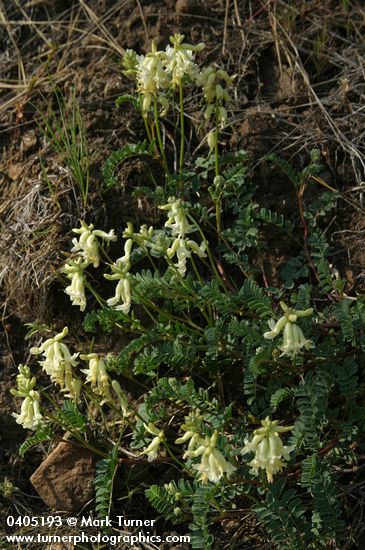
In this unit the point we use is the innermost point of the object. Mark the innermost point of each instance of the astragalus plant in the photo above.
(269, 420)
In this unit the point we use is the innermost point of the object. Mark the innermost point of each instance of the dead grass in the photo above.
(30, 248)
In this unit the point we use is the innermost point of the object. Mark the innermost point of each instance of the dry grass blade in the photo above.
(100, 25)
(5, 22)
(343, 141)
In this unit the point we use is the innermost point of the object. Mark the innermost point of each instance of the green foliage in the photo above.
(104, 480)
(298, 177)
(274, 218)
(295, 268)
(344, 317)
(172, 500)
(70, 416)
(64, 130)
(42, 435)
(121, 155)
(283, 514)
(201, 537)
(255, 299)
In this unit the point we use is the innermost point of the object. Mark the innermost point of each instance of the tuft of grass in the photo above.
(65, 131)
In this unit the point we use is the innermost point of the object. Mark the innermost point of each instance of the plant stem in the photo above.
(216, 157)
(159, 138)
(182, 128)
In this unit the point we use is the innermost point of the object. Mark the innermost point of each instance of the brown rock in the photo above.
(65, 479)
(187, 6)
(14, 171)
(29, 140)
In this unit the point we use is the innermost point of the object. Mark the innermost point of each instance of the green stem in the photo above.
(159, 138)
(212, 263)
(216, 132)
(216, 157)
(209, 316)
(182, 128)
(148, 129)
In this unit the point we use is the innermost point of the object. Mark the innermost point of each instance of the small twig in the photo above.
(143, 19)
(225, 27)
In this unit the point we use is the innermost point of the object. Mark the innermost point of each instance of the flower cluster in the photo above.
(192, 429)
(87, 249)
(181, 246)
(214, 83)
(270, 453)
(213, 465)
(153, 447)
(293, 338)
(159, 71)
(122, 299)
(88, 245)
(97, 376)
(30, 416)
(58, 363)
(180, 60)
(74, 270)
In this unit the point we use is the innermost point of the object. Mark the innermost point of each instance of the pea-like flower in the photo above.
(153, 447)
(183, 249)
(213, 465)
(30, 416)
(125, 260)
(294, 340)
(122, 291)
(97, 376)
(270, 453)
(142, 237)
(74, 270)
(129, 63)
(181, 246)
(88, 244)
(122, 398)
(177, 220)
(214, 83)
(180, 59)
(152, 78)
(58, 363)
(192, 429)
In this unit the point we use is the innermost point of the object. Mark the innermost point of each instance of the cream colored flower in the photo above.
(142, 238)
(97, 376)
(88, 244)
(293, 338)
(125, 260)
(152, 78)
(153, 447)
(30, 416)
(129, 63)
(177, 220)
(192, 429)
(58, 363)
(270, 453)
(181, 247)
(180, 59)
(214, 83)
(123, 401)
(74, 270)
(213, 465)
(122, 291)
